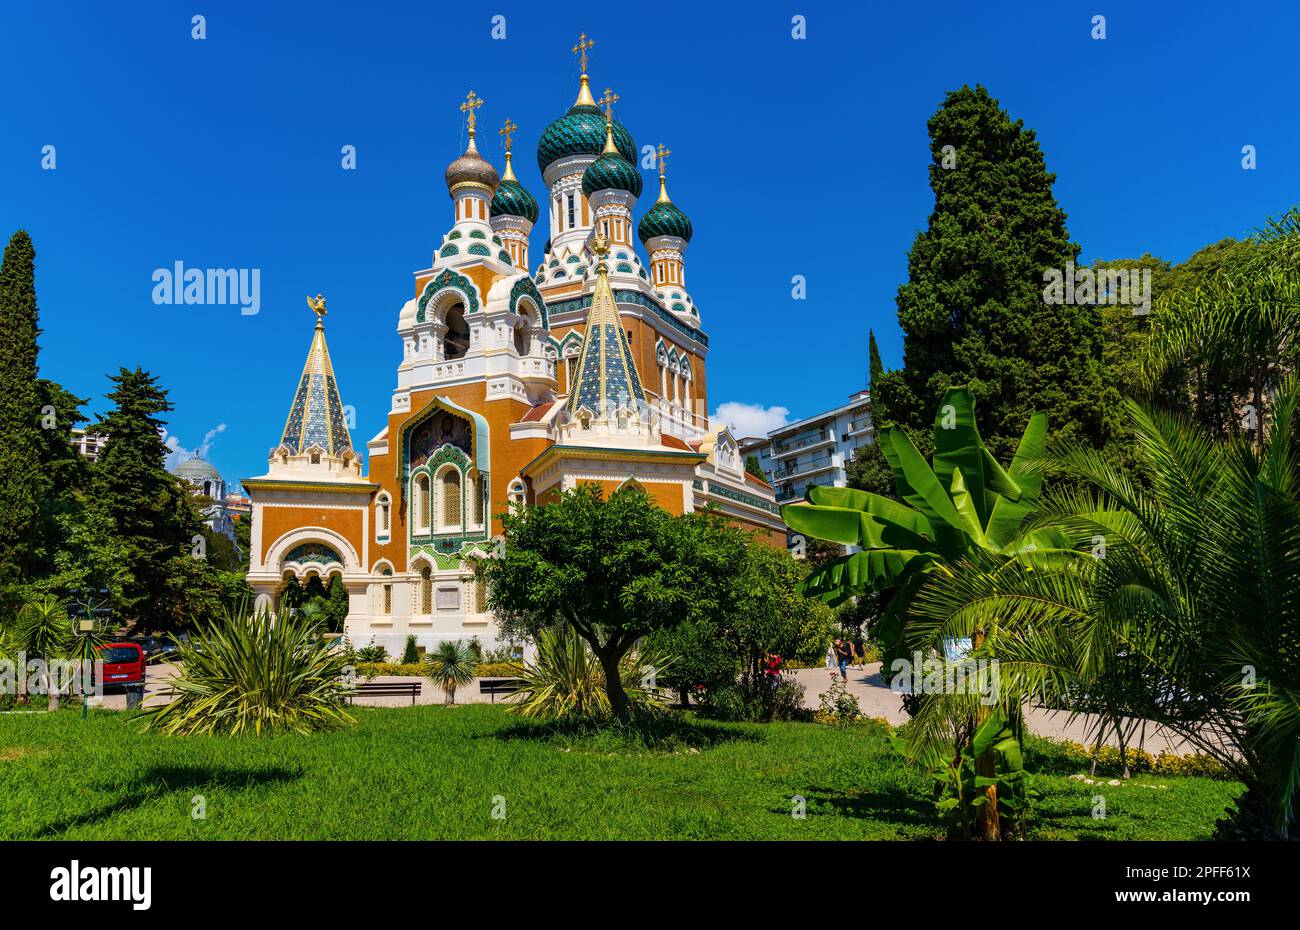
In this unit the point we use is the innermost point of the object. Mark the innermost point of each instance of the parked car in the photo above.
(123, 664)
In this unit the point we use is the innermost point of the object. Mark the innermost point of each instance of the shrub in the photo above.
(411, 655)
(371, 669)
(245, 674)
(779, 700)
(372, 653)
(838, 706)
(568, 683)
(499, 669)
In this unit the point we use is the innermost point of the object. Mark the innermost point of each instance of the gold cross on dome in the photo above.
(507, 131)
(472, 102)
(608, 102)
(581, 51)
(663, 158)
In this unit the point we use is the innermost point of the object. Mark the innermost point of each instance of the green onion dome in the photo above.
(664, 219)
(611, 171)
(511, 199)
(581, 131)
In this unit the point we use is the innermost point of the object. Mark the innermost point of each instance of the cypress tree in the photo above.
(150, 512)
(973, 310)
(876, 371)
(22, 486)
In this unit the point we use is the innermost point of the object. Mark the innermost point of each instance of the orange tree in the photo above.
(613, 569)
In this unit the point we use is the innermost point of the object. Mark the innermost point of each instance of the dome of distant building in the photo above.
(197, 470)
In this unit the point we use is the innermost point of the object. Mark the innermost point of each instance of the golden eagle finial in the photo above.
(317, 305)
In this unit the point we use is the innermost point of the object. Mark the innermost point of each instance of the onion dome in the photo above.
(664, 218)
(581, 131)
(471, 170)
(611, 171)
(511, 199)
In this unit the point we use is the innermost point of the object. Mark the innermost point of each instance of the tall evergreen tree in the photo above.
(151, 514)
(876, 371)
(22, 486)
(973, 310)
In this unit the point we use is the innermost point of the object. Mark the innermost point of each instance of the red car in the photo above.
(123, 664)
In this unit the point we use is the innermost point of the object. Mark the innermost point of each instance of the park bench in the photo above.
(495, 686)
(386, 688)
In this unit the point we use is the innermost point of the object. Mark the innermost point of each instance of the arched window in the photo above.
(426, 590)
(449, 494)
(386, 592)
(420, 502)
(516, 494)
(383, 515)
(456, 339)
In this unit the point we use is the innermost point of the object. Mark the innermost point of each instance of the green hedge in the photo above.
(485, 669)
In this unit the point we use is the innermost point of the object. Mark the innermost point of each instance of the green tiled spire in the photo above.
(316, 417)
(606, 377)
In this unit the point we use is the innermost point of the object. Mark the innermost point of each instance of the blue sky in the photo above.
(791, 157)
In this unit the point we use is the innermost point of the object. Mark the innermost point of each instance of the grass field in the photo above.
(433, 773)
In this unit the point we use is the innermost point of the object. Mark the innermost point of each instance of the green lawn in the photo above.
(432, 773)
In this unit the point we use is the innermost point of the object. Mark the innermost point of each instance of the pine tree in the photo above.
(151, 514)
(22, 485)
(973, 310)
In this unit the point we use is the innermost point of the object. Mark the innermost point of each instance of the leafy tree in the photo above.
(767, 615)
(337, 598)
(614, 570)
(22, 484)
(973, 310)
(755, 467)
(150, 514)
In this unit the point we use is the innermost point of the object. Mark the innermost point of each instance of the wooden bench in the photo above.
(495, 686)
(386, 688)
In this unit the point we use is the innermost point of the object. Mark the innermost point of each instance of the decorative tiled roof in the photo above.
(607, 378)
(581, 131)
(316, 417)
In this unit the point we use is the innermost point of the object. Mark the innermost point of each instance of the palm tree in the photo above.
(1245, 319)
(1188, 582)
(249, 674)
(450, 666)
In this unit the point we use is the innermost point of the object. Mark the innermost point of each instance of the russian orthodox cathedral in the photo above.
(518, 380)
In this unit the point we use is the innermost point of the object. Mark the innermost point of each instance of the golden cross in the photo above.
(318, 307)
(663, 159)
(581, 50)
(472, 103)
(507, 130)
(608, 102)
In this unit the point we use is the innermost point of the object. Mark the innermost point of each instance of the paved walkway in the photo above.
(874, 697)
(877, 700)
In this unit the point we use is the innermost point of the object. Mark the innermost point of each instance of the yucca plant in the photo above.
(566, 682)
(251, 674)
(43, 631)
(450, 666)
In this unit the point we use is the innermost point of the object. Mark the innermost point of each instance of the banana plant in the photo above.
(961, 508)
(960, 505)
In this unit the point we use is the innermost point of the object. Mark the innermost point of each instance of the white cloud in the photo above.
(749, 419)
(180, 454)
